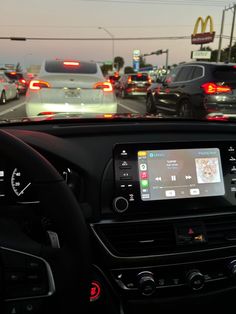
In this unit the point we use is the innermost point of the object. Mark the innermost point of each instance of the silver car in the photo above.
(64, 86)
(8, 89)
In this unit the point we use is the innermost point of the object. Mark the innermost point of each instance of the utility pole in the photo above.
(221, 35)
(232, 34)
(222, 30)
(167, 59)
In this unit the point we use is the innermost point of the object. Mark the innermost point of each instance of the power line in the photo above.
(189, 3)
(21, 38)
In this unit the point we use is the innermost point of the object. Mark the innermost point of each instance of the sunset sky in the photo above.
(82, 19)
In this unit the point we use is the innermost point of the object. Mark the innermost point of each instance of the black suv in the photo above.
(195, 90)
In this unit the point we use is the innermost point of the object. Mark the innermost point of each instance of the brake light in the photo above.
(105, 86)
(129, 79)
(139, 75)
(38, 84)
(71, 63)
(217, 118)
(212, 88)
(149, 80)
(22, 81)
(13, 73)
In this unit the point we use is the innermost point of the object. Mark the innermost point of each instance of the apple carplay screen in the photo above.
(180, 173)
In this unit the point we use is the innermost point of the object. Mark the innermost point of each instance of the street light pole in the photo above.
(113, 43)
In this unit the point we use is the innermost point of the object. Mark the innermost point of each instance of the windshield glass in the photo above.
(132, 59)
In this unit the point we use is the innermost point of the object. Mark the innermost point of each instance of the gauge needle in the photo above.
(24, 188)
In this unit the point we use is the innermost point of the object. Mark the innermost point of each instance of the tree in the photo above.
(128, 69)
(118, 63)
(106, 68)
(18, 67)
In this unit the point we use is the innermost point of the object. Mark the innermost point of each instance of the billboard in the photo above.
(203, 37)
(136, 60)
(206, 55)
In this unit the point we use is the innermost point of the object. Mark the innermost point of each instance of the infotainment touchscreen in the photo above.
(180, 173)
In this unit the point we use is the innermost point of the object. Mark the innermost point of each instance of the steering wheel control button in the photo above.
(95, 291)
(13, 308)
(232, 268)
(14, 277)
(120, 204)
(13, 259)
(146, 283)
(195, 279)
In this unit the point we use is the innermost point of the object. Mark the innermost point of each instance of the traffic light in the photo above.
(158, 52)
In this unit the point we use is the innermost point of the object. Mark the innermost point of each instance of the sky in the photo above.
(121, 18)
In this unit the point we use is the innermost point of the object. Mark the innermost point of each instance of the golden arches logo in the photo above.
(203, 25)
(203, 37)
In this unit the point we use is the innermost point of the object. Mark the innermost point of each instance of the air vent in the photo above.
(141, 239)
(159, 237)
(221, 231)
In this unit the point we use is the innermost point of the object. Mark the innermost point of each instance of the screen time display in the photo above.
(180, 173)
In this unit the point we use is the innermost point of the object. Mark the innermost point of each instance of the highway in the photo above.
(16, 108)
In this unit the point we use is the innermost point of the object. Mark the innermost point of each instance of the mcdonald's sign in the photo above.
(203, 37)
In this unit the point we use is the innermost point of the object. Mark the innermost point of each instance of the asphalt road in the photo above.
(16, 108)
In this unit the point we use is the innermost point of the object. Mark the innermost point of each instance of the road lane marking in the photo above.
(12, 108)
(128, 108)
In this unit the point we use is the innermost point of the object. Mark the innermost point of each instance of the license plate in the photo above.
(140, 85)
(74, 93)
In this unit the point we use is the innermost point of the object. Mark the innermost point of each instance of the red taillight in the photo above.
(38, 84)
(71, 63)
(217, 118)
(213, 88)
(129, 79)
(149, 80)
(13, 73)
(22, 81)
(105, 86)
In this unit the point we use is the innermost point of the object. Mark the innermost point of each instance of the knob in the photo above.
(232, 268)
(120, 204)
(146, 283)
(195, 279)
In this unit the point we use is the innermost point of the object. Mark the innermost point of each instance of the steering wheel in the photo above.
(62, 272)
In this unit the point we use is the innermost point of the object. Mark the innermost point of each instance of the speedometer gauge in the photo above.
(19, 182)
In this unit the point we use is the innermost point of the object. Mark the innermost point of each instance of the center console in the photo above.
(169, 226)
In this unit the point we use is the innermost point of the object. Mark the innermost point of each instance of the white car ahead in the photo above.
(8, 89)
(71, 87)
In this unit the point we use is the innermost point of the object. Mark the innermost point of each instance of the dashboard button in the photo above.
(231, 149)
(128, 178)
(233, 170)
(120, 204)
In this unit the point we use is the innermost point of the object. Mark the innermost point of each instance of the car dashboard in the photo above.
(159, 199)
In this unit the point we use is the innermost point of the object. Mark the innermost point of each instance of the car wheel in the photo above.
(3, 98)
(150, 107)
(185, 110)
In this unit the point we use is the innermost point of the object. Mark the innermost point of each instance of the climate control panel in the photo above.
(176, 279)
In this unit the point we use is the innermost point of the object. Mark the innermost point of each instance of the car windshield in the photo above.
(121, 59)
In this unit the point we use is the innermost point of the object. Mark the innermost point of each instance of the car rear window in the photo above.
(139, 78)
(59, 67)
(225, 74)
